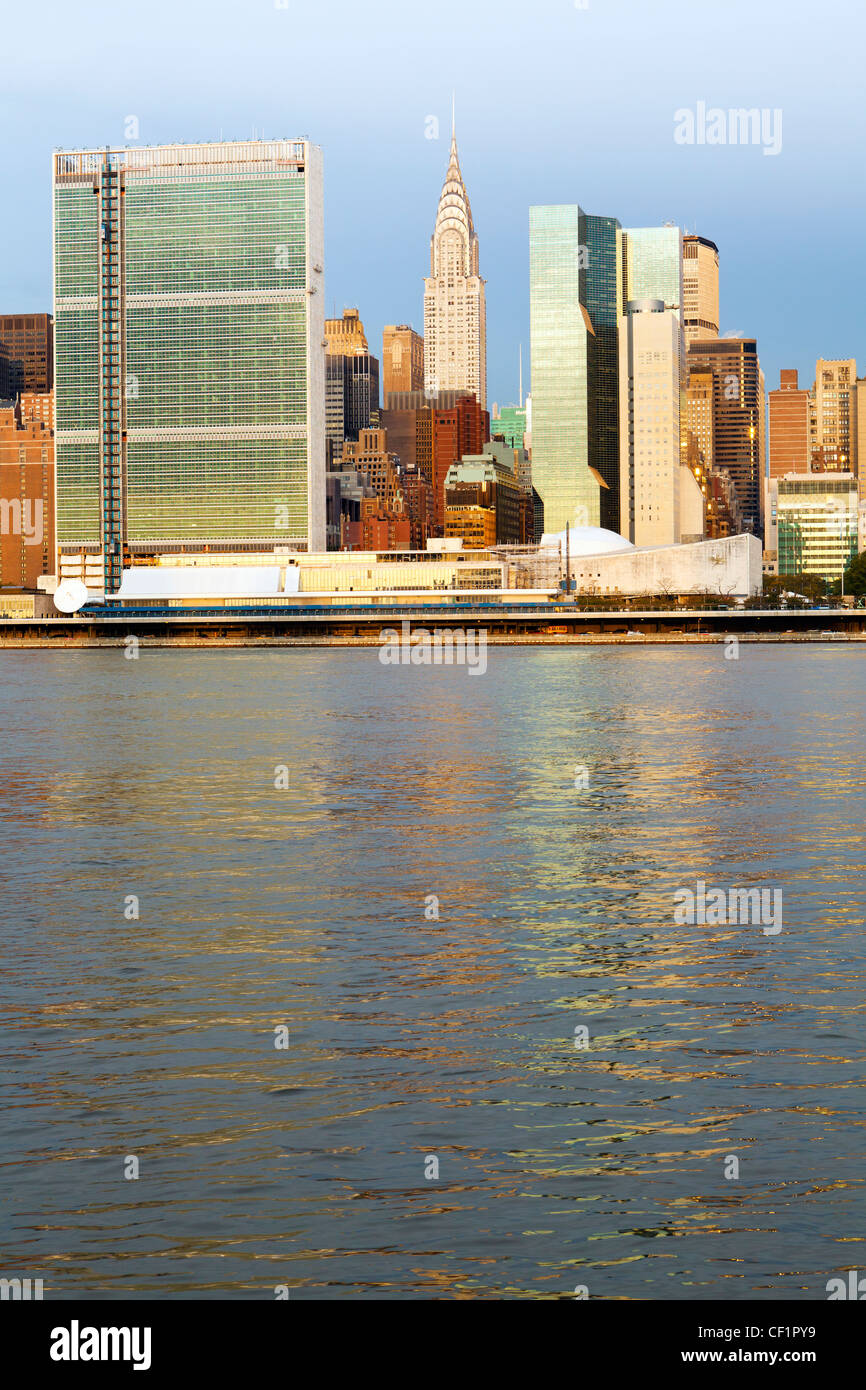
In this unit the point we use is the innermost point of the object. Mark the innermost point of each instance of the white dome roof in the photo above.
(587, 540)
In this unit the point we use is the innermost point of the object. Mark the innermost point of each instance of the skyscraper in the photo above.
(402, 359)
(661, 501)
(738, 418)
(575, 297)
(456, 431)
(346, 335)
(455, 315)
(700, 288)
(653, 266)
(601, 293)
(789, 426)
(859, 436)
(832, 422)
(351, 382)
(189, 313)
(26, 353)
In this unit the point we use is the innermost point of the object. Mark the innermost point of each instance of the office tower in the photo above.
(830, 426)
(455, 316)
(402, 359)
(602, 239)
(699, 414)
(432, 432)
(189, 313)
(408, 418)
(859, 436)
(351, 382)
(369, 454)
(653, 266)
(518, 461)
(812, 522)
(738, 417)
(789, 426)
(345, 488)
(26, 353)
(456, 431)
(351, 398)
(379, 528)
(660, 499)
(722, 511)
(700, 288)
(509, 423)
(26, 498)
(410, 435)
(346, 335)
(575, 294)
(484, 503)
(418, 494)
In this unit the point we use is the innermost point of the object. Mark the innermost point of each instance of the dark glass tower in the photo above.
(600, 293)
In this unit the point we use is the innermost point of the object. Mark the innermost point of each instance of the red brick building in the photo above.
(461, 429)
(26, 499)
(789, 426)
(378, 529)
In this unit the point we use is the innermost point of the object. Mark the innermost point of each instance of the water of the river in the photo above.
(415, 1042)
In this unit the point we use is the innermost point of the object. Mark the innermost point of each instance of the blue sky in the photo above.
(555, 103)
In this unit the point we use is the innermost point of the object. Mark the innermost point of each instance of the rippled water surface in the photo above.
(412, 1039)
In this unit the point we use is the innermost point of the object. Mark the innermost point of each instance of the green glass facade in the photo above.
(574, 273)
(211, 315)
(817, 519)
(653, 265)
(510, 423)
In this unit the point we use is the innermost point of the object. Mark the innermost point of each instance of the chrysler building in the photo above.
(455, 320)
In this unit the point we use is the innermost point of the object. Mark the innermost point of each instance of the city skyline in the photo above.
(631, 164)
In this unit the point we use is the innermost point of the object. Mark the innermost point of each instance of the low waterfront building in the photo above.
(293, 578)
(599, 563)
(602, 563)
(812, 523)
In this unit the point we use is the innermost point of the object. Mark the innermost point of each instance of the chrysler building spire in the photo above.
(455, 323)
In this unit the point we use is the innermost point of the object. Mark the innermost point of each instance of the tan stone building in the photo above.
(346, 337)
(831, 425)
(402, 359)
(369, 454)
(700, 288)
(859, 440)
